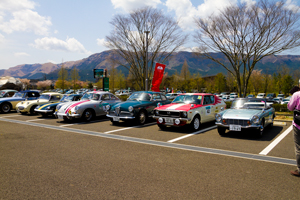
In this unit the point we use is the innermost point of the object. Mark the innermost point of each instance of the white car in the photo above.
(261, 95)
(191, 109)
(92, 104)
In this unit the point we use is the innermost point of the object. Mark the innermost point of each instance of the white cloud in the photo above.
(291, 5)
(101, 42)
(19, 54)
(52, 43)
(186, 11)
(2, 39)
(129, 5)
(19, 15)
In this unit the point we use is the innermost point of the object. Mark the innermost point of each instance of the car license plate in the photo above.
(116, 119)
(60, 117)
(235, 128)
(169, 120)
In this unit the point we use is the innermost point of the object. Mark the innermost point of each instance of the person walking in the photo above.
(294, 105)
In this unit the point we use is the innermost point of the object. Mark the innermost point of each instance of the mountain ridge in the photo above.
(203, 66)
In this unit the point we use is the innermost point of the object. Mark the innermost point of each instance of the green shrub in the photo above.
(281, 108)
(123, 97)
(228, 104)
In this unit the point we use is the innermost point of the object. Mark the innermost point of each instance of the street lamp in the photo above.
(146, 81)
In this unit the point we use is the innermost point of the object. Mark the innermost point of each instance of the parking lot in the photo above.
(47, 158)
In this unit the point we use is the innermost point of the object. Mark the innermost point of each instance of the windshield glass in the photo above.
(44, 97)
(197, 99)
(140, 96)
(90, 96)
(19, 94)
(167, 95)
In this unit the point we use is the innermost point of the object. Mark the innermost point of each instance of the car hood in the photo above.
(240, 113)
(178, 106)
(126, 104)
(11, 99)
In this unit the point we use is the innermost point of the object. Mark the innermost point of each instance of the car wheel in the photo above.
(162, 127)
(195, 125)
(260, 131)
(141, 118)
(221, 131)
(5, 108)
(87, 115)
(32, 112)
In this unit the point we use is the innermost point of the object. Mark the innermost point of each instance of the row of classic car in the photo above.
(187, 109)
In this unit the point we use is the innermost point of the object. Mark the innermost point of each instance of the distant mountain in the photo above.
(204, 67)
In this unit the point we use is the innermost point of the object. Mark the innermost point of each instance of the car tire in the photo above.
(5, 107)
(32, 112)
(195, 124)
(162, 127)
(260, 131)
(221, 131)
(141, 117)
(88, 115)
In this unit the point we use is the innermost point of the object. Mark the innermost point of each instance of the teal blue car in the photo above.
(254, 113)
(138, 107)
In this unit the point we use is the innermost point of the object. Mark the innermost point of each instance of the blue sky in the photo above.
(41, 31)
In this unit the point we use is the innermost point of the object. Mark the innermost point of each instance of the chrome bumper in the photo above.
(121, 117)
(254, 126)
(43, 111)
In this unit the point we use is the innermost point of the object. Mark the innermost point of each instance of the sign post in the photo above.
(105, 84)
(102, 74)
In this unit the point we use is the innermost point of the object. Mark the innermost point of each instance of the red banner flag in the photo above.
(157, 76)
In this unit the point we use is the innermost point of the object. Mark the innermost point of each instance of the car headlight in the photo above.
(184, 114)
(218, 117)
(130, 108)
(58, 107)
(27, 103)
(107, 107)
(76, 108)
(255, 119)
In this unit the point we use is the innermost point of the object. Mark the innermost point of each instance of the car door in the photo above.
(209, 108)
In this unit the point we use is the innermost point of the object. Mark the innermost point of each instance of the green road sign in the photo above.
(105, 84)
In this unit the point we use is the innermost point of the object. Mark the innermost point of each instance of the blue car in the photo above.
(245, 113)
(9, 103)
(138, 107)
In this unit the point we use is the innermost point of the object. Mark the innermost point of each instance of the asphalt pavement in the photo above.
(45, 158)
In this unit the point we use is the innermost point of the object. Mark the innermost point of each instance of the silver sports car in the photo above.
(92, 104)
(246, 113)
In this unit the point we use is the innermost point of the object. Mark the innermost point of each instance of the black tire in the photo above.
(195, 124)
(88, 115)
(162, 127)
(260, 131)
(5, 107)
(221, 131)
(32, 112)
(44, 114)
(141, 118)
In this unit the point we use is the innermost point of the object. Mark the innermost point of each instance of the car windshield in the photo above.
(260, 95)
(188, 99)
(91, 96)
(270, 95)
(280, 95)
(19, 94)
(69, 98)
(167, 95)
(44, 97)
(248, 104)
(140, 96)
(238, 103)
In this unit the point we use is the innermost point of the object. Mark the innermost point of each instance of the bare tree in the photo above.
(128, 39)
(247, 33)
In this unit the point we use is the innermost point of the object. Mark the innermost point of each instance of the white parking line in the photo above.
(32, 120)
(12, 116)
(122, 129)
(195, 133)
(81, 123)
(276, 141)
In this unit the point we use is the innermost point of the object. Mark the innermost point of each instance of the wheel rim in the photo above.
(196, 123)
(5, 108)
(142, 117)
(88, 115)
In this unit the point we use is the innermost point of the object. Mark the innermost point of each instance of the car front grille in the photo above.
(237, 122)
(21, 108)
(168, 114)
(117, 110)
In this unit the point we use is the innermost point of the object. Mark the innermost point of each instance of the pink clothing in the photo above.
(294, 104)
